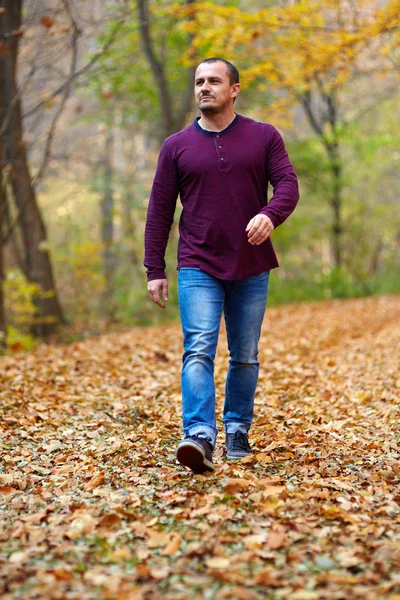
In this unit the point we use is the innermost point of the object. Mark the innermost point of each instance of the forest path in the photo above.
(93, 504)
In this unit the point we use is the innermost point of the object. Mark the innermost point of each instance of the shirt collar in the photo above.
(197, 126)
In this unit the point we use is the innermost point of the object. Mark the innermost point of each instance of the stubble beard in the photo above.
(211, 109)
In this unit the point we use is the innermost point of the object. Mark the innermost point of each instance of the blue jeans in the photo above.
(202, 299)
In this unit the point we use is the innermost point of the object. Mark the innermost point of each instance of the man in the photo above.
(220, 166)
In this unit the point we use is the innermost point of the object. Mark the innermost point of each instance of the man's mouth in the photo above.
(206, 97)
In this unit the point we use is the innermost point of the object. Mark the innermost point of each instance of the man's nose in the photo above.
(205, 87)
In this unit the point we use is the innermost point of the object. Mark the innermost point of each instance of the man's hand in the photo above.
(156, 288)
(259, 228)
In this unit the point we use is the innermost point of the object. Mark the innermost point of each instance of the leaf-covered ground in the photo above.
(94, 505)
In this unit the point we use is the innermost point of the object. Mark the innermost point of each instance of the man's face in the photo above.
(212, 88)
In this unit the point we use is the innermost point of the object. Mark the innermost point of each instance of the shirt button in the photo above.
(219, 146)
(222, 158)
(217, 135)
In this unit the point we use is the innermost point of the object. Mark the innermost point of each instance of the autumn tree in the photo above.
(24, 102)
(3, 328)
(306, 53)
(14, 156)
(138, 94)
(173, 113)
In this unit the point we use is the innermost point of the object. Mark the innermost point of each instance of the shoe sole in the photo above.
(229, 457)
(192, 456)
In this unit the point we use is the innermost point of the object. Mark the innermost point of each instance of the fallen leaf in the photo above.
(158, 539)
(268, 578)
(276, 539)
(273, 490)
(254, 542)
(235, 486)
(217, 562)
(110, 520)
(95, 481)
(172, 547)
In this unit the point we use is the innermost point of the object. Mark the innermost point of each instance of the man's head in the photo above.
(216, 85)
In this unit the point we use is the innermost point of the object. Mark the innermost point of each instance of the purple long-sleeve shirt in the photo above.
(222, 179)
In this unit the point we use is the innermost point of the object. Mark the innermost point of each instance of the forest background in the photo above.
(88, 92)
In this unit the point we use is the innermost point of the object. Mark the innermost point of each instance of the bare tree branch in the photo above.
(14, 100)
(79, 72)
(67, 92)
(188, 96)
(366, 109)
(156, 67)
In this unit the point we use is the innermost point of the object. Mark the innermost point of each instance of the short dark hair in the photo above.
(232, 70)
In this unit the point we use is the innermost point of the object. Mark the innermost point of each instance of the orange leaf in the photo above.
(268, 578)
(273, 490)
(8, 490)
(276, 539)
(263, 457)
(47, 22)
(235, 486)
(158, 539)
(63, 574)
(110, 520)
(172, 547)
(95, 481)
(16, 347)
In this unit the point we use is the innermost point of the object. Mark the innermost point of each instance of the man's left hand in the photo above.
(259, 229)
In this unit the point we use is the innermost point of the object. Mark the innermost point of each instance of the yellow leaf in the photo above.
(218, 562)
(254, 542)
(273, 490)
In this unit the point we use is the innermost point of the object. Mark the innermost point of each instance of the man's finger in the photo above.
(155, 297)
(263, 228)
(260, 236)
(165, 290)
(252, 231)
(250, 224)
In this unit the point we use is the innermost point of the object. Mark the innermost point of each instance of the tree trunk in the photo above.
(173, 120)
(3, 329)
(107, 227)
(336, 204)
(33, 231)
(331, 144)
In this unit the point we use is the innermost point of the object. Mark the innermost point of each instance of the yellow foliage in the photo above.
(83, 277)
(292, 47)
(18, 294)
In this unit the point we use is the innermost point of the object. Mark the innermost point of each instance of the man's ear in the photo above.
(235, 90)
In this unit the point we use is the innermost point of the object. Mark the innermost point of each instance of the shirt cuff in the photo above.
(156, 274)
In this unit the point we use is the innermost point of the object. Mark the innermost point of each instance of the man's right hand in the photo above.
(158, 288)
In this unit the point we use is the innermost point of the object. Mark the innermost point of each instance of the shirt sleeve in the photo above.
(160, 214)
(283, 178)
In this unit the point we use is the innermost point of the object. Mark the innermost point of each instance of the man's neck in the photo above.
(217, 122)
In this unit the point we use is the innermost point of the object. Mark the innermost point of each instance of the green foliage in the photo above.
(124, 74)
(18, 341)
(19, 294)
(19, 310)
(83, 277)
